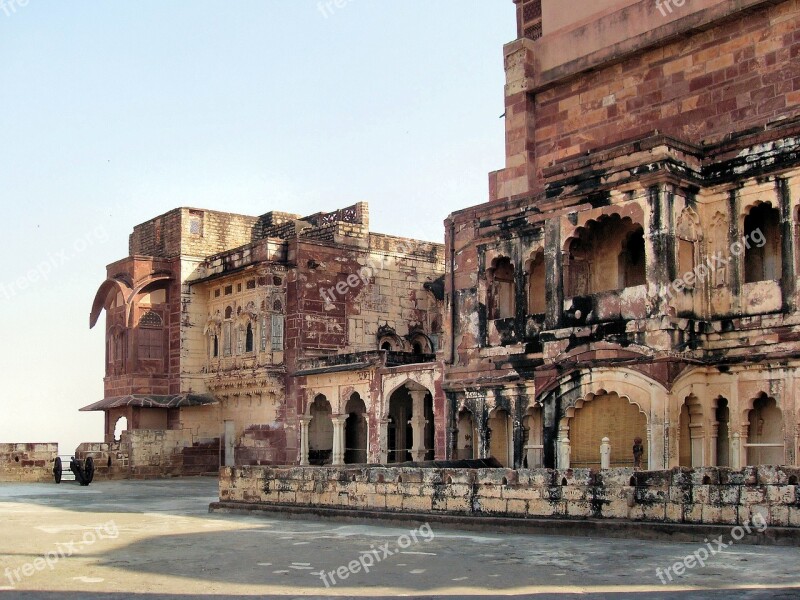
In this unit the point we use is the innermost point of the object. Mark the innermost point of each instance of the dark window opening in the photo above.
(248, 343)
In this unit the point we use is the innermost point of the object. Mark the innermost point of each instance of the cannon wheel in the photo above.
(88, 469)
(58, 469)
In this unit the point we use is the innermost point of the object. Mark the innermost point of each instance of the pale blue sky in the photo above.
(114, 112)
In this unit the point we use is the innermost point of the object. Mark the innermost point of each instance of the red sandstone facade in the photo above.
(641, 147)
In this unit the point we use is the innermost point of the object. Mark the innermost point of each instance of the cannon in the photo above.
(83, 472)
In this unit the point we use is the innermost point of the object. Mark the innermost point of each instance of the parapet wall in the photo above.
(27, 462)
(712, 496)
(152, 454)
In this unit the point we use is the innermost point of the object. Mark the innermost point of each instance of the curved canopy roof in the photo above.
(153, 401)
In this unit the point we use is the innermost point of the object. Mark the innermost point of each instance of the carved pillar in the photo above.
(338, 439)
(304, 421)
(418, 423)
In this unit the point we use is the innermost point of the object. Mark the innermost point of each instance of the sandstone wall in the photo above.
(152, 454)
(702, 496)
(27, 462)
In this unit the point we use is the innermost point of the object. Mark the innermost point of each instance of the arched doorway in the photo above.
(499, 436)
(355, 431)
(411, 429)
(467, 436)
(320, 432)
(606, 415)
(765, 443)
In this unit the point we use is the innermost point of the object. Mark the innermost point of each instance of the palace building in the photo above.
(269, 340)
(632, 279)
(634, 274)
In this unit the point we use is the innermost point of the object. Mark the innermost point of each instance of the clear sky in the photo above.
(114, 112)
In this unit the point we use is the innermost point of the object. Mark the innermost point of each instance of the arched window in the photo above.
(214, 346)
(631, 260)
(151, 336)
(537, 303)
(120, 426)
(762, 255)
(229, 312)
(501, 301)
(248, 341)
(687, 236)
(605, 255)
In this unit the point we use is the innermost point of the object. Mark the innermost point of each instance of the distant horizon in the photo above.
(115, 114)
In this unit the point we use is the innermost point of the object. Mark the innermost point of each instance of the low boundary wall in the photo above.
(27, 462)
(708, 496)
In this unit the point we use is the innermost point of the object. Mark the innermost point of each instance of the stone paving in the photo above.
(155, 539)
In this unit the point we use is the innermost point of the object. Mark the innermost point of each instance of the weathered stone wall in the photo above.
(148, 454)
(27, 462)
(192, 232)
(701, 496)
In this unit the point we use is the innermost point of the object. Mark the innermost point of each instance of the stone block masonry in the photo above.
(27, 462)
(709, 496)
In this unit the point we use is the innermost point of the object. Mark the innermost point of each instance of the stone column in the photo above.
(418, 423)
(713, 459)
(383, 441)
(605, 453)
(304, 421)
(564, 449)
(736, 451)
(338, 439)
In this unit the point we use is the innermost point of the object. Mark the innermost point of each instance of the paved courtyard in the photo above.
(157, 540)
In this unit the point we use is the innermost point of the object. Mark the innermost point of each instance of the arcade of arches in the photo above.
(692, 429)
(406, 426)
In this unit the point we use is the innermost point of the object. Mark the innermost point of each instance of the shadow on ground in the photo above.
(748, 594)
